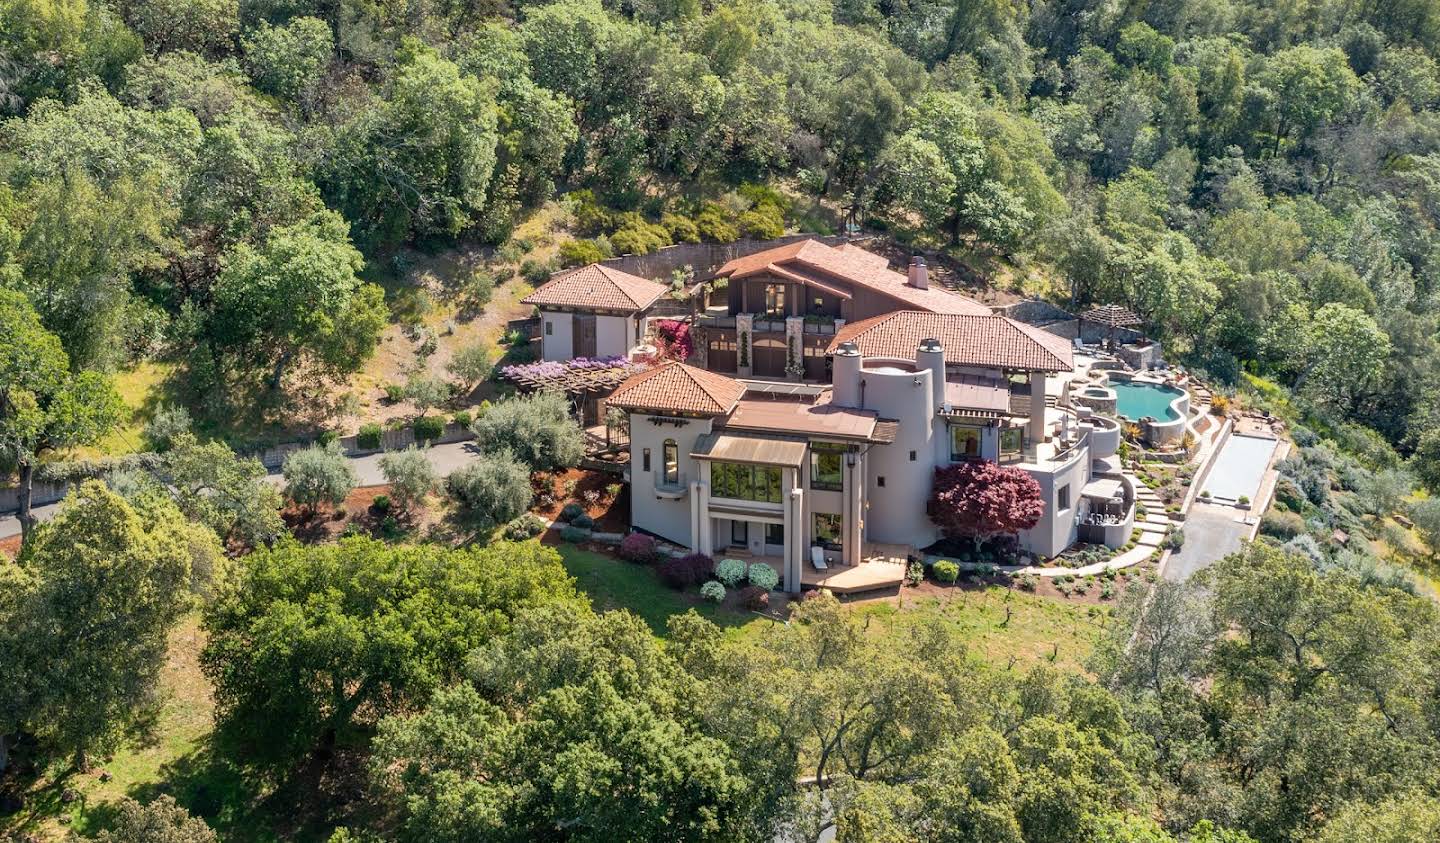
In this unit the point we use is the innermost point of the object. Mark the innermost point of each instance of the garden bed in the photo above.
(604, 499)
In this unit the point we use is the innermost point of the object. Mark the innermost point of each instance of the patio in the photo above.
(883, 567)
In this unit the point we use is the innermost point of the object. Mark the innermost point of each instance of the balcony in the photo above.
(672, 489)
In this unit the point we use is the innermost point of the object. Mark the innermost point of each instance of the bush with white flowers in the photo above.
(712, 591)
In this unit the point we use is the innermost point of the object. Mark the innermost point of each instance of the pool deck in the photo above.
(1240, 468)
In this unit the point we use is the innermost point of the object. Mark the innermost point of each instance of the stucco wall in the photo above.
(662, 516)
(1056, 530)
(557, 337)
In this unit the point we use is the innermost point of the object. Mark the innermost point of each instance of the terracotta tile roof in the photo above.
(678, 388)
(984, 341)
(597, 287)
(811, 259)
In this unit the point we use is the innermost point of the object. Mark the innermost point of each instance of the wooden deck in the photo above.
(883, 568)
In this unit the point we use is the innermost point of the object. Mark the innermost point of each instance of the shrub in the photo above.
(915, 574)
(537, 429)
(167, 425)
(712, 591)
(682, 229)
(574, 535)
(462, 418)
(369, 436)
(755, 598)
(325, 437)
(394, 392)
(1174, 540)
(638, 547)
(410, 475)
(535, 272)
(763, 575)
(494, 488)
(381, 504)
(730, 571)
(763, 222)
(638, 237)
(571, 512)
(581, 253)
(582, 521)
(470, 365)
(946, 571)
(1244, 500)
(428, 428)
(1219, 404)
(1028, 582)
(318, 474)
(686, 571)
(527, 526)
(1282, 525)
(713, 224)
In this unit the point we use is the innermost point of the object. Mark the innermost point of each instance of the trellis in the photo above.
(1112, 316)
(573, 377)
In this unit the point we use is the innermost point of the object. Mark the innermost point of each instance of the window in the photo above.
(912, 456)
(1062, 498)
(827, 530)
(826, 466)
(775, 299)
(775, 534)
(880, 481)
(549, 328)
(645, 460)
(818, 305)
(1012, 441)
(964, 441)
(741, 482)
(739, 534)
(671, 453)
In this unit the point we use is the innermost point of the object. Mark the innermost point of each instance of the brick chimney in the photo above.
(919, 276)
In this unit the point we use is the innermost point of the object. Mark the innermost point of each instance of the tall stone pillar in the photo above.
(744, 344)
(794, 348)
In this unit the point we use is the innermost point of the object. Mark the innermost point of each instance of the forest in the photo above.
(234, 190)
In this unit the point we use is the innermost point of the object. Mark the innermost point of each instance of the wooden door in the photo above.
(583, 333)
(769, 355)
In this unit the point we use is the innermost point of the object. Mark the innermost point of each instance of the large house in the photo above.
(834, 456)
(781, 307)
(593, 311)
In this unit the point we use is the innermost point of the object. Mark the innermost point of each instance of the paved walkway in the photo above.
(444, 458)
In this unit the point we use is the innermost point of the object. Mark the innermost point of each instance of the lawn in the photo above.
(1039, 629)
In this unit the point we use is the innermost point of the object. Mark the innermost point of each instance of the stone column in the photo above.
(701, 490)
(794, 348)
(744, 344)
(695, 506)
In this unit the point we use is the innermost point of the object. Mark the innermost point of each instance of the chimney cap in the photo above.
(848, 349)
(931, 344)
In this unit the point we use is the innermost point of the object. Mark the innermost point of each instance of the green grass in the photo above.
(613, 584)
(141, 388)
(1039, 629)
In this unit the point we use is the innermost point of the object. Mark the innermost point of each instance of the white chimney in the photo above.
(931, 355)
(919, 274)
(845, 376)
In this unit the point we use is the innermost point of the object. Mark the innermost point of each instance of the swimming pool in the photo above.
(1138, 400)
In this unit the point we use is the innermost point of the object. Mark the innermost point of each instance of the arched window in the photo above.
(671, 452)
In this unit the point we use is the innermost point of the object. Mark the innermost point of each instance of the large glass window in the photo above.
(672, 461)
(827, 467)
(964, 441)
(827, 530)
(742, 482)
(1012, 441)
(775, 299)
(775, 534)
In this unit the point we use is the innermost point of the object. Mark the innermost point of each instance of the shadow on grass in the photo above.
(615, 584)
(247, 807)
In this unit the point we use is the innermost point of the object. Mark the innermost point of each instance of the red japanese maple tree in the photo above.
(672, 338)
(981, 499)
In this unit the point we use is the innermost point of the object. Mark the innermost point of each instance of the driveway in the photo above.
(444, 458)
(1212, 532)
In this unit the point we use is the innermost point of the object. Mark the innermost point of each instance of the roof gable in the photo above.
(597, 287)
(969, 340)
(804, 260)
(678, 388)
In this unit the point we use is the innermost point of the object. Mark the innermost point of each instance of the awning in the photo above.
(1103, 489)
(750, 448)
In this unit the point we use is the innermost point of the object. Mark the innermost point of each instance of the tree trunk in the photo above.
(25, 515)
(279, 372)
(4, 752)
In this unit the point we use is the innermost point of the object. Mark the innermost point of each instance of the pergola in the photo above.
(1112, 316)
(576, 377)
